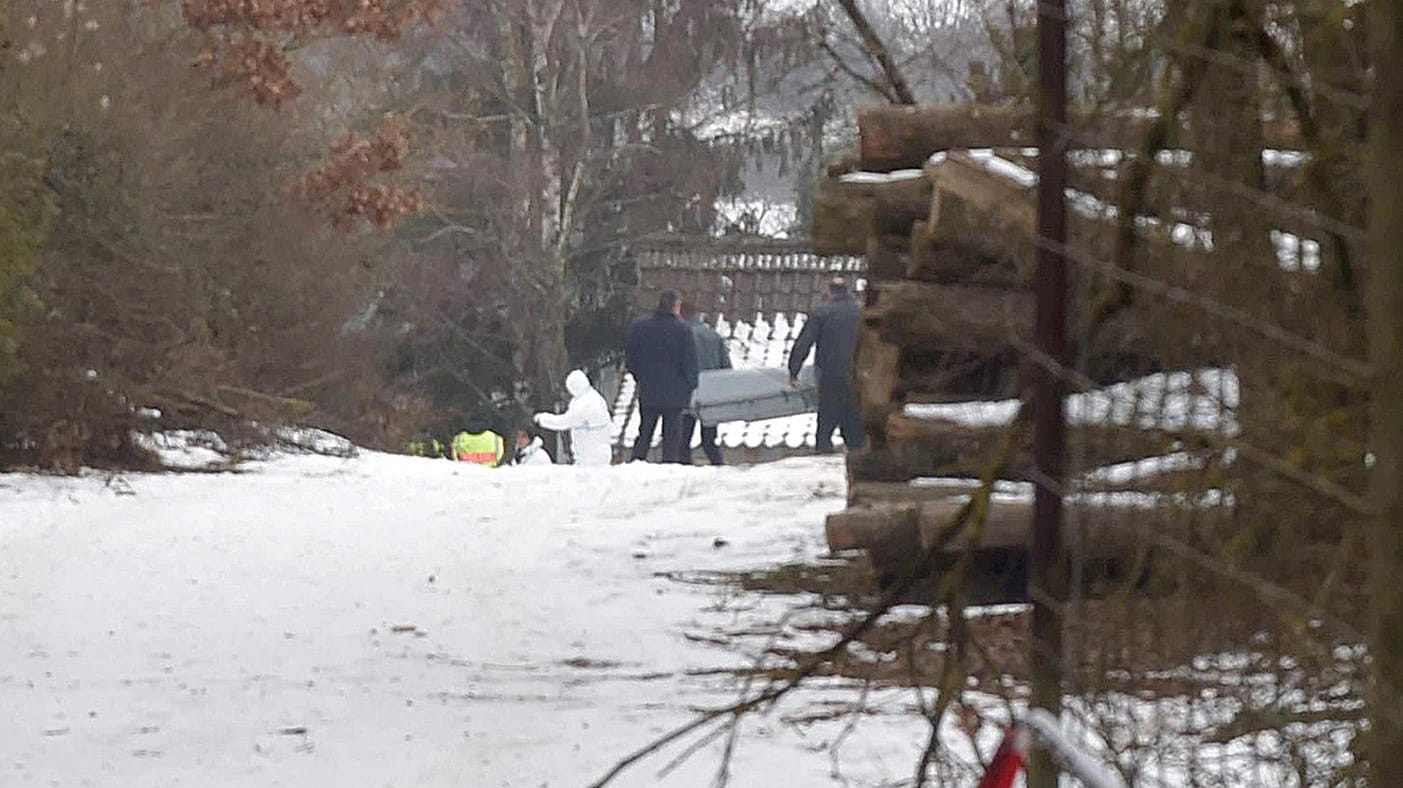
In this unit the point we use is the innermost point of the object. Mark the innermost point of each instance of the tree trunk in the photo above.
(540, 357)
(1384, 742)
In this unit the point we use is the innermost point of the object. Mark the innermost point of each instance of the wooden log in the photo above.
(840, 224)
(942, 376)
(892, 138)
(901, 137)
(977, 214)
(983, 213)
(916, 448)
(1007, 524)
(931, 258)
(867, 527)
(877, 366)
(895, 213)
(846, 211)
(898, 463)
(886, 257)
(949, 317)
(988, 193)
(1113, 527)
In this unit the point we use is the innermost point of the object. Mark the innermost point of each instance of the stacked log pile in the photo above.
(948, 237)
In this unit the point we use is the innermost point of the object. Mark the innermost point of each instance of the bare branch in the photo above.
(878, 51)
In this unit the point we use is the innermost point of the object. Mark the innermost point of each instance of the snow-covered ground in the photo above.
(384, 620)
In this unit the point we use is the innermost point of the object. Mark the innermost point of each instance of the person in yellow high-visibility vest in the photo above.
(479, 445)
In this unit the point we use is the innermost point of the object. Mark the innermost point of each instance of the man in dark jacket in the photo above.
(711, 354)
(662, 356)
(831, 331)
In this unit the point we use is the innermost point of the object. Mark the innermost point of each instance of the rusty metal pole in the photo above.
(1047, 584)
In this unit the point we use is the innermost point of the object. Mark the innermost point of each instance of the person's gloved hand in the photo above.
(537, 418)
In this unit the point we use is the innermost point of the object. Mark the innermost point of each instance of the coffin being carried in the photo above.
(752, 394)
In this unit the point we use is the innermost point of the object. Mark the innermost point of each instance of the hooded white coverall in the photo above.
(535, 454)
(588, 420)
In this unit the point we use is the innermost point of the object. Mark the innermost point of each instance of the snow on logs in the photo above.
(900, 137)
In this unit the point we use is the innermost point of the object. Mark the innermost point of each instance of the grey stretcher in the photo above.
(752, 394)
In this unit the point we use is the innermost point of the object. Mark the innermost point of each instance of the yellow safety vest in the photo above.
(483, 448)
(425, 448)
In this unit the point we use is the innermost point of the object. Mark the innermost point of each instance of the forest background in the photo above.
(380, 219)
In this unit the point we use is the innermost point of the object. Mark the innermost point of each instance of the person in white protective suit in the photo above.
(530, 450)
(588, 420)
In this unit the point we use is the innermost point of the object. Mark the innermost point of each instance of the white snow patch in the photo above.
(1135, 470)
(1296, 253)
(314, 441)
(186, 449)
(769, 218)
(390, 620)
(881, 177)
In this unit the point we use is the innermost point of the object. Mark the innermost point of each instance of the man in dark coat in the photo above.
(831, 331)
(711, 354)
(662, 356)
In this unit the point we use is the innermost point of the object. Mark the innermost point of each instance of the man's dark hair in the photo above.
(837, 285)
(688, 310)
(667, 300)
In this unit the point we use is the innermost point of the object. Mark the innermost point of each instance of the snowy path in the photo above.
(183, 631)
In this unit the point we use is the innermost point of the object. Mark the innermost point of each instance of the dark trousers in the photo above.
(708, 440)
(838, 410)
(674, 443)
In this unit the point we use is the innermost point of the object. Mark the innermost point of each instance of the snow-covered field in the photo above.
(385, 620)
